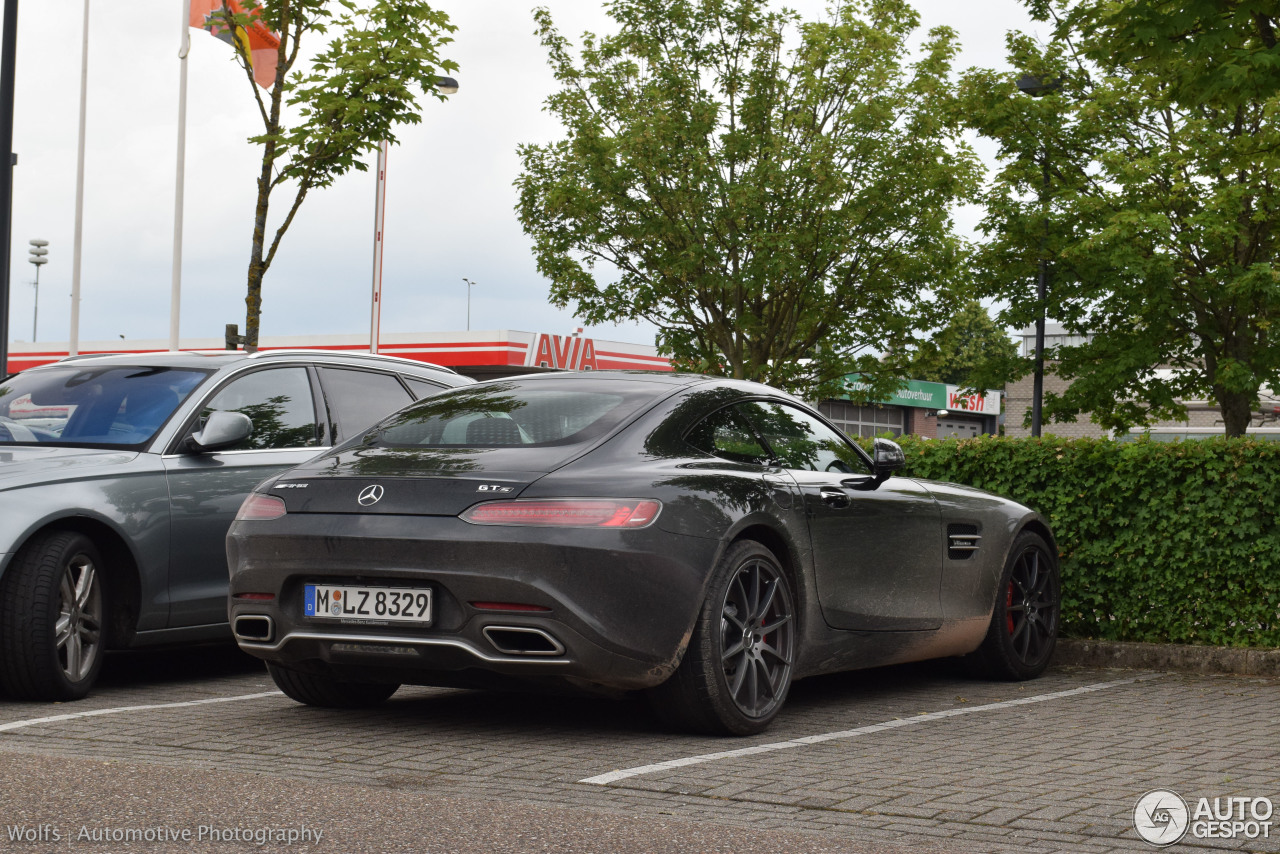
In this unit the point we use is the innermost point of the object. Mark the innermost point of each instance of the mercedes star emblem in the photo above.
(370, 495)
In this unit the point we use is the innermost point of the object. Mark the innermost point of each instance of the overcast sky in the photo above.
(450, 199)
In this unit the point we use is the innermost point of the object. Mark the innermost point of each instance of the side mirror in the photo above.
(887, 457)
(221, 430)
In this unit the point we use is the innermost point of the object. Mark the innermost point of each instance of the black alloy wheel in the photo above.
(1024, 624)
(737, 671)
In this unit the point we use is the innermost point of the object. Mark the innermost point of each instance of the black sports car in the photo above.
(705, 540)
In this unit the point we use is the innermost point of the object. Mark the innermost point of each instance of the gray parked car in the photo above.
(120, 474)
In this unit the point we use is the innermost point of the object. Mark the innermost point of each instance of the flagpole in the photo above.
(74, 337)
(379, 219)
(175, 294)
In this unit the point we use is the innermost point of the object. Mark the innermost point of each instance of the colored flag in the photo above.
(256, 43)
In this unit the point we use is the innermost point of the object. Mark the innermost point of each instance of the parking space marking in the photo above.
(615, 776)
(95, 712)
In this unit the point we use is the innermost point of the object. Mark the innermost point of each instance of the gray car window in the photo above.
(92, 406)
(801, 441)
(278, 402)
(422, 388)
(359, 399)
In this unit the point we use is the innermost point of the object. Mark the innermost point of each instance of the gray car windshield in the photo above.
(505, 414)
(96, 407)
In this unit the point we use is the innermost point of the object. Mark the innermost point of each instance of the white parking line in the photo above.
(95, 712)
(615, 776)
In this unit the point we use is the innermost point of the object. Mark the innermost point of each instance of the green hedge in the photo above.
(1162, 542)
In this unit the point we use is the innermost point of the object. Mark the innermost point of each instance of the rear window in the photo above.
(510, 414)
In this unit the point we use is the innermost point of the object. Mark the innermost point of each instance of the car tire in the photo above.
(315, 689)
(53, 605)
(1024, 623)
(736, 672)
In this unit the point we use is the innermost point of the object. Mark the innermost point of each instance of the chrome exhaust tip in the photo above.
(521, 640)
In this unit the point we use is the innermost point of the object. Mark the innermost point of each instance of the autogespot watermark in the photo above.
(100, 834)
(1162, 817)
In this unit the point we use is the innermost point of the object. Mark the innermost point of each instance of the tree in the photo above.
(1159, 218)
(776, 202)
(969, 351)
(380, 55)
(1217, 50)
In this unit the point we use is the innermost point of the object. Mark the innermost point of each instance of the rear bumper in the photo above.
(620, 605)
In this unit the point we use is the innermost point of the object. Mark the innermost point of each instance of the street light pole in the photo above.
(470, 285)
(8, 61)
(1036, 88)
(37, 259)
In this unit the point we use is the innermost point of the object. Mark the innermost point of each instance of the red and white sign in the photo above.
(458, 350)
(966, 400)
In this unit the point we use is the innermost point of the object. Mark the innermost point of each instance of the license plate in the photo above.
(389, 604)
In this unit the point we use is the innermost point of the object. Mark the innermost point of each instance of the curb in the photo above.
(1158, 656)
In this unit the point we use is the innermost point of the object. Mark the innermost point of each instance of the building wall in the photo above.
(1018, 399)
(1018, 405)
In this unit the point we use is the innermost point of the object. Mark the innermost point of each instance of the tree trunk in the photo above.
(1237, 412)
(257, 268)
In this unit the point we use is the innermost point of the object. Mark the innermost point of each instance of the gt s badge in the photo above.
(492, 487)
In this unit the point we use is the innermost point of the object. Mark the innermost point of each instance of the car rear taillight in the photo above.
(259, 508)
(566, 512)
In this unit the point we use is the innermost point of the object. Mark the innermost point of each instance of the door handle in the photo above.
(833, 497)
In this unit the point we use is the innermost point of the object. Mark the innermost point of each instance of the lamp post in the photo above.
(445, 86)
(1037, 87)
(8, 61)
(470, 285)
(37, 259)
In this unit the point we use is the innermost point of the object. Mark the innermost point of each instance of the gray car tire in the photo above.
(53, 607)
(736, 672)
(315, 689)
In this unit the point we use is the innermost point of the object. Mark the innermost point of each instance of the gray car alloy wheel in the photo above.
(54, 600)
(78, 631)
(757, 637)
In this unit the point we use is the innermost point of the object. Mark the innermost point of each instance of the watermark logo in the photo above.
(1161, 817)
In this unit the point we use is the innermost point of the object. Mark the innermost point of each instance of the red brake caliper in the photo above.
(1008, 603)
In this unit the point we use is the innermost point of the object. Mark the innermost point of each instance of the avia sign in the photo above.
(567, 352)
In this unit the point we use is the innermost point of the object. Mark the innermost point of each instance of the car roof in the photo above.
(670, 379)
(215, 359)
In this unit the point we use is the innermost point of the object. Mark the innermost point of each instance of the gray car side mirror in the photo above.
(221, 430)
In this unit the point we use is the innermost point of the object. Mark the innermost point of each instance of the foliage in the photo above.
(970, 351)
(1214, 51)
(380, 55)
(773, 196)
(1161, 542)
(1160, 222)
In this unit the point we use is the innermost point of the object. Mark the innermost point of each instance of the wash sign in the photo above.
(926, 395)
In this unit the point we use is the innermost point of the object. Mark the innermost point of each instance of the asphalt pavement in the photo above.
(195, 751)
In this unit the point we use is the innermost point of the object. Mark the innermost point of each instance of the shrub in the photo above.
(1162, 542)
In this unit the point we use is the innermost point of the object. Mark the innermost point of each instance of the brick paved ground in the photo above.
(1058, 775)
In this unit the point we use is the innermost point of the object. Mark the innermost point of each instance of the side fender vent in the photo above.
(962, 541)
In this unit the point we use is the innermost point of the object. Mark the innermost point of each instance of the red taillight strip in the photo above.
(260, 508)
(259, 597)
(566, 512)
